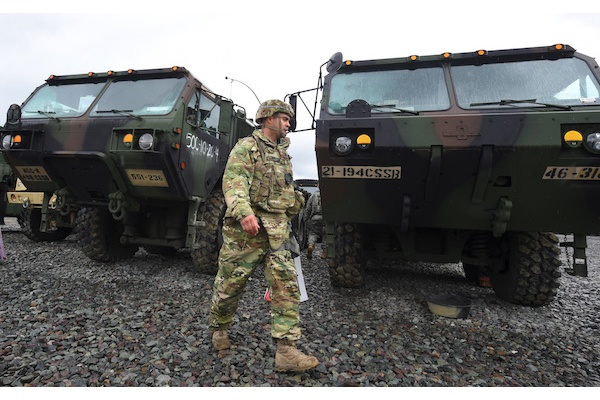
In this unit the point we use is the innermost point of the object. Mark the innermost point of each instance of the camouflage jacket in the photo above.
(258, 179)
(313, 206)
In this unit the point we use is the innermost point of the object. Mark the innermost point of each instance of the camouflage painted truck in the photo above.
(7, 182)
(140, 152)
(480, 158)
(26, 207)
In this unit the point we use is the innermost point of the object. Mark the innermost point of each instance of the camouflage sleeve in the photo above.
(298, 203)
(237, 178)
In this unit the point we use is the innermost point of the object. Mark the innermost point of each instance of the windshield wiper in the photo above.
(508, 102)
(391, 107)
(48, 114)
(122, 112)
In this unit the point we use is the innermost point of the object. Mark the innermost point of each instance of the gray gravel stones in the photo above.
(68, 321)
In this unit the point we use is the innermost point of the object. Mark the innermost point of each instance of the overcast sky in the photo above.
(275, 48)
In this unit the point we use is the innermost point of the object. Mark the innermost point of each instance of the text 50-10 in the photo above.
(202, 147)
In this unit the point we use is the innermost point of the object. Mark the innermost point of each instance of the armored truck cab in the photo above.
(477, 157)
(141, 152)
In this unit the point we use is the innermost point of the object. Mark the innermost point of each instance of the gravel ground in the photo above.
(68, 321)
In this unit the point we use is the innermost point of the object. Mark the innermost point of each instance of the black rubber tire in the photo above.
(533, 273)
(99, 236)
(30, 220)
(346, 269)
(205, 255)
(471, 273)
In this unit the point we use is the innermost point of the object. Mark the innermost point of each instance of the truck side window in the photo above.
(209, 114)
(203, 112)
(193, 107)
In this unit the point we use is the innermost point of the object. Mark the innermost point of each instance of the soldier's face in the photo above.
(282, 123)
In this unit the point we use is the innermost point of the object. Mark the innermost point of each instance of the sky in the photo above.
(269, 49)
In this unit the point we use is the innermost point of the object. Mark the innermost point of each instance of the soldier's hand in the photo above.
(250, 225)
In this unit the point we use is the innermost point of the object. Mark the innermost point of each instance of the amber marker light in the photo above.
(130, 71)
(128, 139)
(558, 46)
(446, 55)
(414, 58)
(51, 77)
(177, 131)
(348, 62)
(363, 141)
(182, 165)
(110, 72)
(175, 68)
(176, 146)
(90, 74)
(17, 139)
(481, 52)
(573, 138)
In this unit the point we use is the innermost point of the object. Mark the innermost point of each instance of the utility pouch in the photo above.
(292, 245)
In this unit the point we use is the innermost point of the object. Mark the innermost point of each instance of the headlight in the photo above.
(342, 145)
(146, 141)
(6, 142)
(592, 142)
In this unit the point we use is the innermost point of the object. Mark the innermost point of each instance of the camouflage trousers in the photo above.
(315, 230)
(239, 256)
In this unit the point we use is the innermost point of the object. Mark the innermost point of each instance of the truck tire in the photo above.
(30, 220)
(205, 255)
(471, 273)
(99, 236)
(347, 267)
(532, 276)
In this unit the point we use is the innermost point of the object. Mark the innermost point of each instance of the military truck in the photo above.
(481, 157)
(7, 181)
(26, 207)
(140, 153)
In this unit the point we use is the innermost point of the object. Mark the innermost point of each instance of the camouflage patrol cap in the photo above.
(272, 107)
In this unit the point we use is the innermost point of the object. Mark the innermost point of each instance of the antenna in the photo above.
(235, 80)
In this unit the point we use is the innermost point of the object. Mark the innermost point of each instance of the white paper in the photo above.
(303, 294)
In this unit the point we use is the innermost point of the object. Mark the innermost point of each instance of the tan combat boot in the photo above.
(309, 252)
(220, 340)
(289, 358)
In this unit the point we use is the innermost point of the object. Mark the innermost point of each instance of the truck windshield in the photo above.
(535, 83)
(140, 97)
(67, 100)
(401, 89)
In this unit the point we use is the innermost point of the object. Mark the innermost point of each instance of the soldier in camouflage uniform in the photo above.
(261, 199)
(314, 221)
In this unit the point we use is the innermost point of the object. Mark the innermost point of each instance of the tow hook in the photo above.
(118, 203)
(62, 201)
(501, 216)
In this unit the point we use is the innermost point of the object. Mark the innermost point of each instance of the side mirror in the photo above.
(13, 115)
(225, 116)
(293, 102)
(335, 62)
